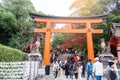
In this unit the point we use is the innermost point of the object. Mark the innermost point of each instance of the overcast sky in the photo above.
(53, 7)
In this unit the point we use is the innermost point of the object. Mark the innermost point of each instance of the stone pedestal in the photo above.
(105, 57)
(35, 57)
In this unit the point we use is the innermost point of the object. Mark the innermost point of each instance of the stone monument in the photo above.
(34, 54)
(105, 54)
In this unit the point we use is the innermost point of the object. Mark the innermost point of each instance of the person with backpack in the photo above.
(112, 73)
(89, 69)
(115, 60)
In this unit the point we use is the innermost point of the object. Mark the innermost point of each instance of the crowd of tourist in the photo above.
(75, 67)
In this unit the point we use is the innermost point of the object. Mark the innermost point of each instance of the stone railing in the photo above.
(26, 70)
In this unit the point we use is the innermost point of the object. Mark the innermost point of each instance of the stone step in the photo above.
(64, 56)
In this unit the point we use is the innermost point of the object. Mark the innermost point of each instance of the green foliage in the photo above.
(20, 39)
(59, 39)
(96, 7)
(8, 54)
(15, 23)
(7, 20)
(90, 7)
(97, 37)
(7, 25)
(42, 43)
(114, 16)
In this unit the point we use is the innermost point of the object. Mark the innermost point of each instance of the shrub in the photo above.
(8, 54)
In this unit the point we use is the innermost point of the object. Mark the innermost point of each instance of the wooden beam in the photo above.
(47, 45)
(89, 42)
(97, 31)
(92, 21)
(36, 30)
(68, 30)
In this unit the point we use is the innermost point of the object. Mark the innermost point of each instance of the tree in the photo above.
(15, 22)
(7, 25)
(97, 38)
(90, 7)
(75, 41)
(114, 16)
(57, 40)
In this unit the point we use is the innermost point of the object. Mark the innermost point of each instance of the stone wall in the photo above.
(26, 70)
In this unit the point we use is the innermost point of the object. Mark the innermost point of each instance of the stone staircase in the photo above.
(64, 57)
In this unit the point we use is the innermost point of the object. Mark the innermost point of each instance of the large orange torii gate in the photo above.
(49, 20)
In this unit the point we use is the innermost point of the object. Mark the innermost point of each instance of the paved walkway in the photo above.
(51, 77)
(60, 77)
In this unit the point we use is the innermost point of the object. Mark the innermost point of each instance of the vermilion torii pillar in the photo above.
(49, 20)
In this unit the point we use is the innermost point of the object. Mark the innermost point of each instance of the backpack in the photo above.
(107, 74)
(113, 75)
(90, 67)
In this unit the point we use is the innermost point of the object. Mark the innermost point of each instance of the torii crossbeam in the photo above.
(49, 20)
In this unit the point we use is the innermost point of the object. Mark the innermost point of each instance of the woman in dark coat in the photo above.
(83, 70)
(66, 69)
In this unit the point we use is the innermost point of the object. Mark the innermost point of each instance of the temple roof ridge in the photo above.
(34, 15)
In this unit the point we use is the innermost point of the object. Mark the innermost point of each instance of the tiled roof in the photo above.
(33, 15)
(115, 29)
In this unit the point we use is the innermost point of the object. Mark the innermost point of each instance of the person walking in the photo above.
(76, 58)
(111, 71)
(83, 69)
(79, 70)
(115, 60)
(112, 68)
(56, 68)
(66, 69)
(76, 70)
(89, 69)
(62, 51)
(71, 70)
(98, 69)
(106, 70)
